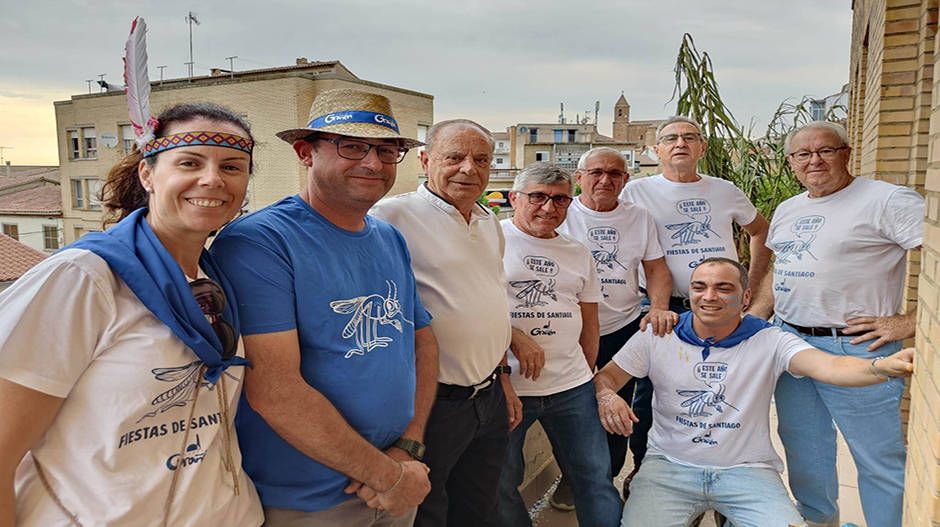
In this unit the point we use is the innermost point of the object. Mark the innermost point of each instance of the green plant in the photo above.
(486, 203)
(756, 165)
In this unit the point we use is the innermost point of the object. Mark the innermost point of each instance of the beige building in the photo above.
(894, 130)
(31, 207)
(94, 131)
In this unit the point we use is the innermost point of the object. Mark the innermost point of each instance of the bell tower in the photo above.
(621, 118)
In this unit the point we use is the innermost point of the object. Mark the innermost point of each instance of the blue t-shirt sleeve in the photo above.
(263, 280)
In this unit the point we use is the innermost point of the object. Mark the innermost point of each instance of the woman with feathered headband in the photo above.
(120, 356)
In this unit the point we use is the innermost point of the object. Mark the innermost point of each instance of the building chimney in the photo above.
(9, 170)
(215, 72)
(302, 61)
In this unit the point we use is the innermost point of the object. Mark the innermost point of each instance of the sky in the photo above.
(497, 62)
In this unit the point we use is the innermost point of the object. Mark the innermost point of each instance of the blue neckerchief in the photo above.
(133, 251)
(749, 326)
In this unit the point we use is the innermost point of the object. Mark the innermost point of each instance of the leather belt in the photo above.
(819, 332)
(454, 392)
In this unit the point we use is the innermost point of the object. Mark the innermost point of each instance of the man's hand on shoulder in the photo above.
(884, 329)
(662, 321)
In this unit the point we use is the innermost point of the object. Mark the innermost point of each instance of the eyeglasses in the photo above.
(356, 150)
(688, 137)
(826, 154)
(538, 199)
(211, 299)
(612, 174)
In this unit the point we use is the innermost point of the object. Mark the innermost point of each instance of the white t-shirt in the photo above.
(459, 271)
(71, 328)
(713, 413)
(548, 278)
(619, 240)
(842, 256)
(693, 219)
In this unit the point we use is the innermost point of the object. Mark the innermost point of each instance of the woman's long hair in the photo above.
(122, 192)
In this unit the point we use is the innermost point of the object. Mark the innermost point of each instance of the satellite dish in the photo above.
(109, 139)
(523, 129)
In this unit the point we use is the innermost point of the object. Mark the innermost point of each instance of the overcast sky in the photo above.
(498, 62)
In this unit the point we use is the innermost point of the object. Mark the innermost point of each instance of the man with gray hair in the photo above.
(553, 294)
(622, 238)
(837, 283)
(457, 247)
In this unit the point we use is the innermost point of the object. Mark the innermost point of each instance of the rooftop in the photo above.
(30, 178)
(16, 258)
(46, 200)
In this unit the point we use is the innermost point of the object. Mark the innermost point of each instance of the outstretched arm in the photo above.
(851, 371)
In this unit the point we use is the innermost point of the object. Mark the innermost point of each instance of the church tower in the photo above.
(621, 118)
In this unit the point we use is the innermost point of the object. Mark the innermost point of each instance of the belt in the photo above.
(454, 392)
(819, 332)
(674, 301)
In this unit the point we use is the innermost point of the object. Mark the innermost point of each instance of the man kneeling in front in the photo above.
(709, 448)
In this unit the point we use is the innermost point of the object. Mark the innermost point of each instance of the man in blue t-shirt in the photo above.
(345, 363)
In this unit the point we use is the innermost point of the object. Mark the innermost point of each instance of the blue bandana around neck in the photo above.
(133, 251)
(749, 326)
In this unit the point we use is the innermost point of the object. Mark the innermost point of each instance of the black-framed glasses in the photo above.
(612, 174)
(688, 137)
(540, 198)
(356, 150)
(826, 154)
(211, 299)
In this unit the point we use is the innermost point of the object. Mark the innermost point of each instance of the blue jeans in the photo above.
(668, 494)
(579, 443)
(870, 421)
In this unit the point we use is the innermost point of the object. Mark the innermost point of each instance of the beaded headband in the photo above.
(160, 144)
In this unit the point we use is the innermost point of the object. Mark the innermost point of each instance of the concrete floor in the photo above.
(849, 502)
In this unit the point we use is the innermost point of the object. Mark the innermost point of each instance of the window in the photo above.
(571, 136)
(541, 156)
(620, 112)
(12, 230)
(75, 150)
(641, 138)
(500, 144)
(559, 136)
(50, 237)
(127, 138)
(499, 161)
(78, 193)
(91, 143)
(818, 110)
(534, 135)
(94, 194)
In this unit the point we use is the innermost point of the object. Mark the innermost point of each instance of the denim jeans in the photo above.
(610, 344)
(668, 494)
(870, 421)
(578, 440)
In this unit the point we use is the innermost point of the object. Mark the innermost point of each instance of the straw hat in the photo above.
(351, 113)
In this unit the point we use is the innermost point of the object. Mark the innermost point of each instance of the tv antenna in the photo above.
(190, 18)
(231, 65)
(2, 148)
(161, 74)
(101, 81)
(89, 81)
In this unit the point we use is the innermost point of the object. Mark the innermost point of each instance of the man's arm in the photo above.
(530, 355)
(426, 371)
(762, 305)
(885, 329)
(659, 289)
(590, 339)
(616, 416)
(851, 371)
(513, 403)
(307, 420)
(760, 253)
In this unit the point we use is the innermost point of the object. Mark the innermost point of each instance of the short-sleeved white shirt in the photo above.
(548, 279)
(459, 270)
(842, 256)
(712, 413)
(693, 220)
(71, 328)
(620, 240)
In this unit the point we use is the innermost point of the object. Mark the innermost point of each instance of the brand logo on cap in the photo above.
(333, 117)
(381, 119)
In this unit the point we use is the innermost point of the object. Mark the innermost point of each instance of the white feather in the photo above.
(138, 83)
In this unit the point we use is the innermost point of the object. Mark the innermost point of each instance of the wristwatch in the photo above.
(414, 448)
(504, 369)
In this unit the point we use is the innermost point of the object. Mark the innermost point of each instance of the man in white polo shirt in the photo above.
(694, 212)
(714, 376)
(552, 296)
(838, 282)
(622, 239)
(456, 253)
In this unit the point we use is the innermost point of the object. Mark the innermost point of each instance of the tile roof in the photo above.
(37, 200)
(50, 175)
(16, 258)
